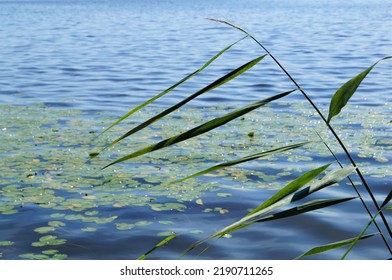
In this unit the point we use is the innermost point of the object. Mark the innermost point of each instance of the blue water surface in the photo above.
(107, 56)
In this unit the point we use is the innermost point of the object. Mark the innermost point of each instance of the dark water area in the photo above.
(100, 58)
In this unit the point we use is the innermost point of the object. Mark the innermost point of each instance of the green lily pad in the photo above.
(6, 243)
(168, 207)
(143, 223)
(32, 256)
(59, 257)
(89, 229)
(43, 230)
(56, 224)
(224, 194)
(50, 252)
(124, 226)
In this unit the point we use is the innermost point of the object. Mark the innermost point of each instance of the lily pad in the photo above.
(46, 229)
(32, 256)
(6, 243)
(50, 252)
(124, 226)
(168, 207)
(89, 229)
(143, 223)
(56, 224)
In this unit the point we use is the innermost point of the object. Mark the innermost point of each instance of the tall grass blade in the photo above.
(291, 187)
(203, 128)
(134, 110)
(282, 198)
(344, 93)
(306, 207)
(160, 244)
(329, 179)
(331, 246)
(242, 160)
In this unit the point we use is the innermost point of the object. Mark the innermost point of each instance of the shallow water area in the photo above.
(69, 69)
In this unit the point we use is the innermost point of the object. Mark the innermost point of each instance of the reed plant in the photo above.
(311, 181)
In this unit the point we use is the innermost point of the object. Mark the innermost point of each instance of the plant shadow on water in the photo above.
(199, 199)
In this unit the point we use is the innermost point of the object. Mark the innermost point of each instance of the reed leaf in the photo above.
(283, 197)
(306, 207)
(331, 246)
(160, 244)
(226, 78)
(329, 179)
(344, 93)
(203, 128)
(242, 160)
(291, 187)
(134, 110)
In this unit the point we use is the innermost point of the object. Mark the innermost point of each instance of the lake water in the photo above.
(72, 67)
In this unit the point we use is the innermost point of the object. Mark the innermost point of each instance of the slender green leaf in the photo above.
(226, 78)
(331, 246)
(329, 179)
(292, 187)
(282, 198)
(243, 159)
(306, 207)
(203, 128)
(134, 110)
(160, 244)
(344, 93)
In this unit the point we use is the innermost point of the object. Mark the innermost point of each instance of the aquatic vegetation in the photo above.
(297, 189)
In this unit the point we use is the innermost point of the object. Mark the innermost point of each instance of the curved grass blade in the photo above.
(243, 159)
(203, 128)
(134, 110)
(344, 93)
(329, 179)
(306, 207)
(226, 78)
(331, 246)
(160, 244)
(283, 198)
(291, 187)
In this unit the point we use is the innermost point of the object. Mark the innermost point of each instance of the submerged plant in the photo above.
(296, 190)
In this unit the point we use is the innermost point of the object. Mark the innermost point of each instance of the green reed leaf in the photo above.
(283, 199)
(134, 110)
(286, 196)
(306, 207)
(160, 244)
(331, 246)
(228, 77)
(292, 187)
(344, 93)
(243, 159)
(203, 128)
